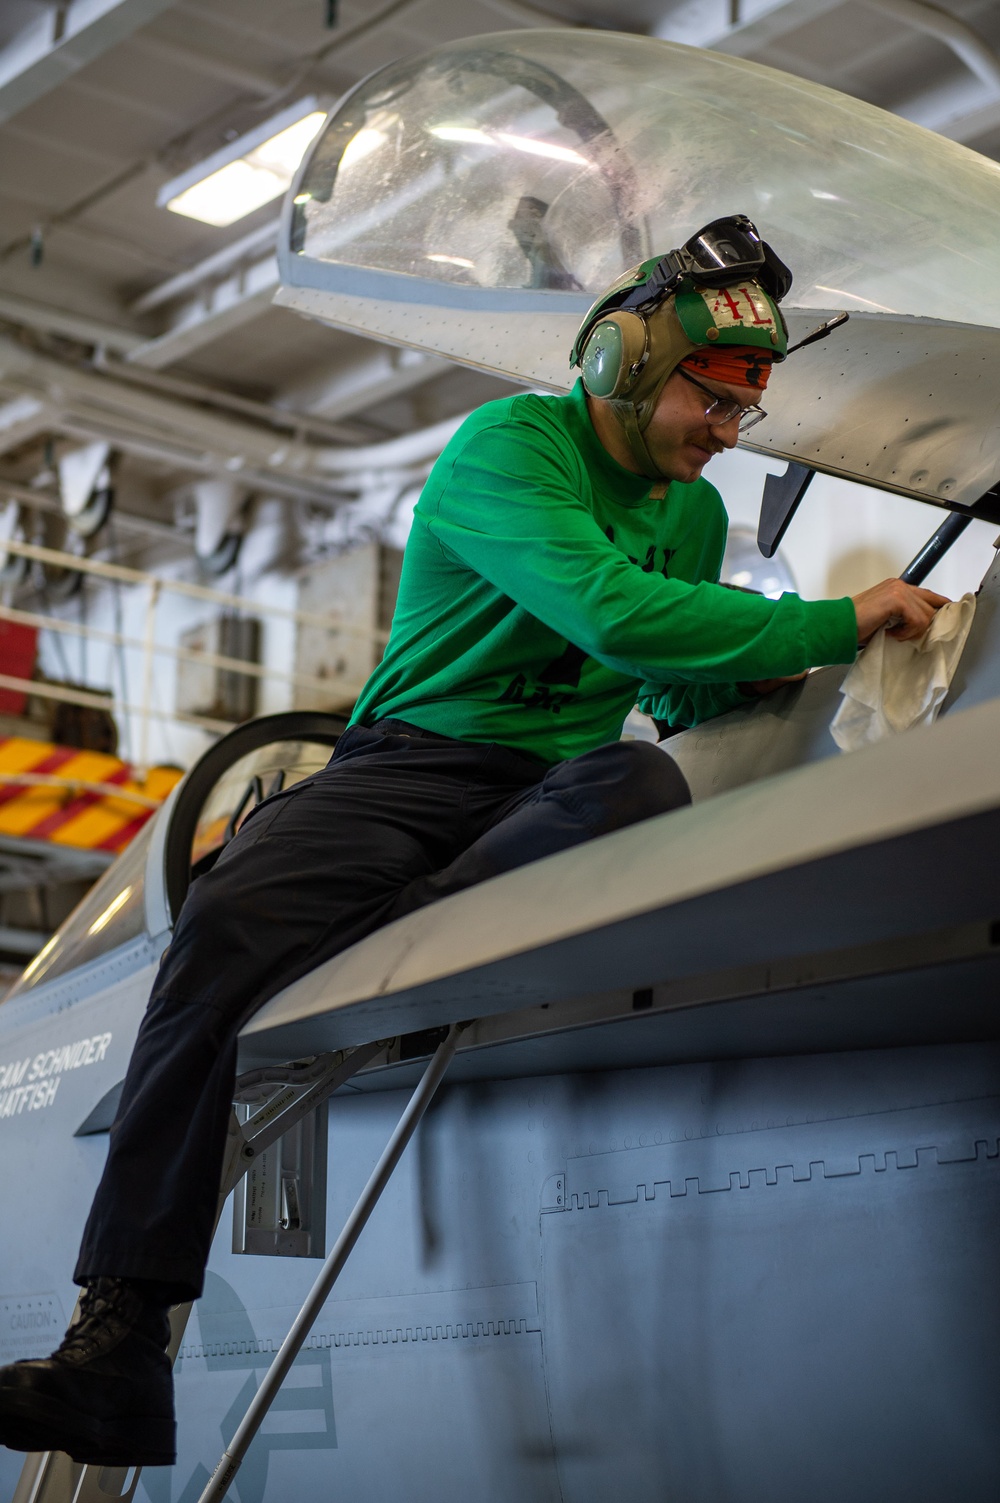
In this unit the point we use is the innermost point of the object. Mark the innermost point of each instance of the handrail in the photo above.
(76, 785)
(125, 575)
(181, 654)
(101, 702)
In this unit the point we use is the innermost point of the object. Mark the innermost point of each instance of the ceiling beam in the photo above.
(216, 308)
(62, 40)
(228, 302)
(222, 69)
(33, 315)
(378, 377)
(964, 110)
(975, 123)
(761, 22)
(963, 41)
(212, 266)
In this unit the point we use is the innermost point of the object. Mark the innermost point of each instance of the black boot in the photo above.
(106, 1396)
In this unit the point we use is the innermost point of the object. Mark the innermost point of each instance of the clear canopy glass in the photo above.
(551, 160)
(472, 201)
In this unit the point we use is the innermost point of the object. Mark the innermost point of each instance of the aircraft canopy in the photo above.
(472, 200)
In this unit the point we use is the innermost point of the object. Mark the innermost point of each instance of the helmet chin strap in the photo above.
(629, 424)
(628, 420)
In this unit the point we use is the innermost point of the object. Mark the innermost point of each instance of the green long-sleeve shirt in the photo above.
(545, 592)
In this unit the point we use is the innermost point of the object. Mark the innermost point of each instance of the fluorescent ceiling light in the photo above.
(839, 292)
(451, 260)
(461, 133)
(542, 148)
(249, 172)
(473, 137)
(362, 145)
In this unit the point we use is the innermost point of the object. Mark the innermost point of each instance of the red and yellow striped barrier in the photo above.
(85, 799)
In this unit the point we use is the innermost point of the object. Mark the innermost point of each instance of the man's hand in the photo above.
(906, 611)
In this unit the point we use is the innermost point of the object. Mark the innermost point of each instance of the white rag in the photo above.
(895, 685)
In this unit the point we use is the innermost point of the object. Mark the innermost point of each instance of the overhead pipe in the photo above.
(394, 453)
(109, 343)
(88, 404)
(215, 265)
(35, 315)
(966, 44)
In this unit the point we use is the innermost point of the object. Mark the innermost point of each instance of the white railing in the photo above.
(336, 695)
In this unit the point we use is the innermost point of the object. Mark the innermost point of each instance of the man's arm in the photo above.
(905, 610)
(509, 510)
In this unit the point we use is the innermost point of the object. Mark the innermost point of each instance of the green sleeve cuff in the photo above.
(831, 631)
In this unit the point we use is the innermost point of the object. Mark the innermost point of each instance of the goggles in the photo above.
(719, 254)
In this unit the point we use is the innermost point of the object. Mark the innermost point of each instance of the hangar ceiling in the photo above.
(118, 317)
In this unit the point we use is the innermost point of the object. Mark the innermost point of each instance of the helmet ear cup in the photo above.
(613, 355)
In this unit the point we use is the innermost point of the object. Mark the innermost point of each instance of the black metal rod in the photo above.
(820, 333)
(935, 548)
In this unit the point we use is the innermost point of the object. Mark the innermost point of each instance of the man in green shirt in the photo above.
(563, 566)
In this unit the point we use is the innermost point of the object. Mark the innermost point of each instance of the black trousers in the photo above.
(397, 819)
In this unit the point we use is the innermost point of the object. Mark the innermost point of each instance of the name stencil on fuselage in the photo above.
(31, 1084)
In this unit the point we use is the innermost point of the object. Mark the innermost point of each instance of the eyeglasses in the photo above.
(723, 409)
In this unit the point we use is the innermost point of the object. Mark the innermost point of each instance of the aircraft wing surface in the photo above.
(877, 847)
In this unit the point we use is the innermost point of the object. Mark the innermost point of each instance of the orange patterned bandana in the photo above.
(736, 365)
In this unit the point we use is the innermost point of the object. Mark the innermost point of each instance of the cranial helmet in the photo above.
(722, 287)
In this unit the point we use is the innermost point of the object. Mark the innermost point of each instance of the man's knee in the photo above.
(630, 780)
(652, 782)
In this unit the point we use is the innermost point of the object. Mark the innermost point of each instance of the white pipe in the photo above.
(62, 382)
(43, 501)
(217, 503)
(212, 266)
(95, 405)
(396, 453)
(958, 35)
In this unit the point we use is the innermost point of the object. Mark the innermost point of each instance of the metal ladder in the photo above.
(51, 1477)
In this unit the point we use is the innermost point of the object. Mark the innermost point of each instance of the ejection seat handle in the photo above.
(232, 1458)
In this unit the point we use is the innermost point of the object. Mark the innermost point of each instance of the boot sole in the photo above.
(34, 1422)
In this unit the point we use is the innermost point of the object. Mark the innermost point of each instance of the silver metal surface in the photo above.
(822, 856)
(907, 404)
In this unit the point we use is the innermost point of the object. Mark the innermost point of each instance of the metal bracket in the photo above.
(778, 505)
(279, 1200)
